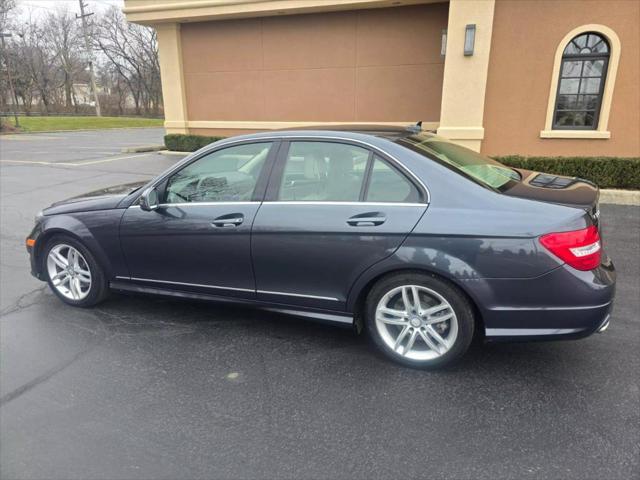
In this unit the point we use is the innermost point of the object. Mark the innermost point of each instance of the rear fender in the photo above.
(468, 262)
(405, 259)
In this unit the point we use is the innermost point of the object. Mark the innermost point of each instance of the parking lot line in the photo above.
(28, 137)
(33, 162)
(111, 159)
(75, 164)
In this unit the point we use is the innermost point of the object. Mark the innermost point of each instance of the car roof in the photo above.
(391, 132)
(360, 132)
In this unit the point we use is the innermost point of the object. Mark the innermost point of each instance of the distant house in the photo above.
(499, 76)
(83, 95)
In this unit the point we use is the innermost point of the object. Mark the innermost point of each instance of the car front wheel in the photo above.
(419, 320)
(72, 272)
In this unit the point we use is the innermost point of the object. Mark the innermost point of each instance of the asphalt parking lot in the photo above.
(148, 388)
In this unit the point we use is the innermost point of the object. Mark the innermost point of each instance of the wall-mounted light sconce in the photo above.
(443, 43)
(469, 39)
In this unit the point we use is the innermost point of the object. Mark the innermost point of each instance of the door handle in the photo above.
(231, 220)
(369, 219)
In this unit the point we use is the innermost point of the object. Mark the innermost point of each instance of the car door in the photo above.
(199, 237)
(332, 210)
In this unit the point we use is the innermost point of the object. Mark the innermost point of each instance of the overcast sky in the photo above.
(40, 7)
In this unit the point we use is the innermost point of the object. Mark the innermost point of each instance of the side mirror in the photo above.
(149, 200)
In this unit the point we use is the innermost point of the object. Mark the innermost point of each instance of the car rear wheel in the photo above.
(72, 272)
(419, 320)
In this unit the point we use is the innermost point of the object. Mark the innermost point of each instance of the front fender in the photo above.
(97, 231)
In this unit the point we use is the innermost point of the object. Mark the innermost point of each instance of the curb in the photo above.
(172, 152)
(76, 130)
(143, 148)
(620, 197)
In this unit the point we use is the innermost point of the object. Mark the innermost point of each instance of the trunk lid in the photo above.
(551, 188)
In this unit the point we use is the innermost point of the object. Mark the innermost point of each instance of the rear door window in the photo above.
(323, 172)
(386, 184)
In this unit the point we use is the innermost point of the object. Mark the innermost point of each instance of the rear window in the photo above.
(482, 169)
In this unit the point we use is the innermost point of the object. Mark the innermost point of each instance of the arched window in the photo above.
(581, 84)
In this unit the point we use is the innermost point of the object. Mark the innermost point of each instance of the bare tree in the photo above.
(37, 55)
(132, 52)
(6, 6)
(62, 35)
(49, 62)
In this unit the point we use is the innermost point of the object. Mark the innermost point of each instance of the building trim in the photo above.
(259, 125)
(462, 133)
(607, 96)
(200, 10)
(465, 76)
(172, 76)
(588, 134)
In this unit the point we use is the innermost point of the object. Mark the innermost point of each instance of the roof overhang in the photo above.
(182, 11)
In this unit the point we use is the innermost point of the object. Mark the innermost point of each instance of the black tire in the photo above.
(457, 300)
(99, 289)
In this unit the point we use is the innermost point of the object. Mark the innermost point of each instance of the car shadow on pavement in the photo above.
(125, 314)
(224, 332)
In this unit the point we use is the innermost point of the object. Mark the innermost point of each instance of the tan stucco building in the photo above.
(532, 77)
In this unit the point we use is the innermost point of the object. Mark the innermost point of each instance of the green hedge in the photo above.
(188, 143)
(606, 172)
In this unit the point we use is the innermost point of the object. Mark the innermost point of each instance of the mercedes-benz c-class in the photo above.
(419, 242)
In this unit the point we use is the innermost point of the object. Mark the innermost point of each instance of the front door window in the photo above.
(227, 175)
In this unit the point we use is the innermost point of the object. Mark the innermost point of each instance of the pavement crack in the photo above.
(42, 378)
(21, 304)
(120, 324)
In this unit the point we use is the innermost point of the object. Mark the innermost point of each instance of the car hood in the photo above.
(102, 199)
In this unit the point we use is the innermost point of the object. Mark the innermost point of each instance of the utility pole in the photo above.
(83, 17)
(13, 92)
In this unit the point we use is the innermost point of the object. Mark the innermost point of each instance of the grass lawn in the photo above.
(41, 124)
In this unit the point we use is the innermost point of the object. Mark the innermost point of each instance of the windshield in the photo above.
(482, 169)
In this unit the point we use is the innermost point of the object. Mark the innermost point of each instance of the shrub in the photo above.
(188, 143)
(606, 172)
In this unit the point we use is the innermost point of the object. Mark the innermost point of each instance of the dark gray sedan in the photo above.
(420, 242)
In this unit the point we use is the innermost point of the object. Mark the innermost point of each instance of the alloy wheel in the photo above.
(416, 322)
(69, 272)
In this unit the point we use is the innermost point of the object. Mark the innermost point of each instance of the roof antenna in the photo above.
(417, 128)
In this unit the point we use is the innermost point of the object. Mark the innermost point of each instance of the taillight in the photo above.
(580, 249)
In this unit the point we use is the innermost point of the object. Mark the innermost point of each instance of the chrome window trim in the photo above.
(320, 202)
(286, 202)
(317, 297)
(229, 143)
(208, 204)
(201, 204)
